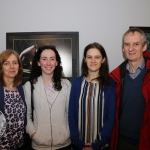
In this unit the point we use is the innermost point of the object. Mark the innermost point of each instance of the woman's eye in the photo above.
(97, 57)
(15, 63)
(43, 58)
(88, 57)
(5, 63)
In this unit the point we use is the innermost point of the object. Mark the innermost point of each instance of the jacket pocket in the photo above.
(43, 136)
(61, 134)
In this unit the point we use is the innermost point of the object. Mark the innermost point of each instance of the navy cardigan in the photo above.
(109, 114)
(21, 92)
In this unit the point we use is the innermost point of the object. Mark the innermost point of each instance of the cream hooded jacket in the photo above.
(50, 124)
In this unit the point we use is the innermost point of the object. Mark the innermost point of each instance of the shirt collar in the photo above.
(141, 66)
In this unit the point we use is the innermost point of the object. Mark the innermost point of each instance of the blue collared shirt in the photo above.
(138, 70)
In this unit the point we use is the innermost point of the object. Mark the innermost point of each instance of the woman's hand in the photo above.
(88, 146)
(33, 135)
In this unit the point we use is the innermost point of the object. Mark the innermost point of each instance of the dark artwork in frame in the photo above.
(147, 33)
(26, 44)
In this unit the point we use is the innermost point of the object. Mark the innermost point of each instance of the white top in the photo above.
(50, 124)
(50, 93)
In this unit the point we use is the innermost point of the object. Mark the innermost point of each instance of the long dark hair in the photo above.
(104, 69)
(36, 70)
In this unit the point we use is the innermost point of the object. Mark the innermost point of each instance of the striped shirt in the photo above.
(91, 112)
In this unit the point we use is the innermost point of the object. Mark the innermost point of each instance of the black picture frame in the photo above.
(26, 43)
(147, 33)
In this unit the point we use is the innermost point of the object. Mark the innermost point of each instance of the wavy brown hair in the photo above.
(104, 69)
(3, 57)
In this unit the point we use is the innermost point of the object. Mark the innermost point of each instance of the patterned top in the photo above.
(14, 110)
(91, 112)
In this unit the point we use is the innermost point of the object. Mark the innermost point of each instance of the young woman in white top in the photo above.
(49, 128)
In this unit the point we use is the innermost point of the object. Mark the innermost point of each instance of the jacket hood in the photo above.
(147, 54)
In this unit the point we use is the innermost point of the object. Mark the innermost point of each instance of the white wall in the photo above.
(103, 21)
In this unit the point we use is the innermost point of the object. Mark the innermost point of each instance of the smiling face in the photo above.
(10, 67)
(133, 47)
(47, 62)
(94, 60)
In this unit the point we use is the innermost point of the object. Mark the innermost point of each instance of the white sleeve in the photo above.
(27, 91)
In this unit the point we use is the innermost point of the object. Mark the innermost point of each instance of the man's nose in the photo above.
(131, 47)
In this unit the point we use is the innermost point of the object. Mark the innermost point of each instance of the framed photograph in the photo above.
(26, 44)
(147, 33)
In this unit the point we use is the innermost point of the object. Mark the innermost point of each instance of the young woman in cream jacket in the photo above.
(49, 129)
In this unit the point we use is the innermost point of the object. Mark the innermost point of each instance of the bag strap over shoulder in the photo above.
(32, 102)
